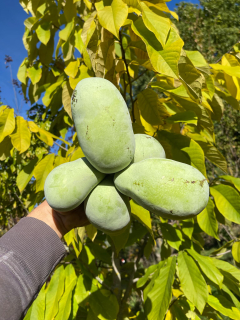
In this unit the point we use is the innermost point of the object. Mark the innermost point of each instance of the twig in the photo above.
(25, 209)
(129, 77)
(221, 254)
(15, 95)
(116, 274)
(149, 82)
(139, 76)
(60, 146)
(228, 232)
(96, 277)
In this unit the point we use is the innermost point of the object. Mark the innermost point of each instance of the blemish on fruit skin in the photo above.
(171, 211)
(186, 181)
(202, 182)
(193, 181)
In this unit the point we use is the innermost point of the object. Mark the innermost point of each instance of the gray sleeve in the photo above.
(29, 252)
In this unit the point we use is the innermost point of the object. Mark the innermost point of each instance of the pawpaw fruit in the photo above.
(69, 184)
(107, 209)
(168, 188)
(103, 125)
(147, 147)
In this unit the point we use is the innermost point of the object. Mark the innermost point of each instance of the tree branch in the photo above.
(129, 77)
(221, 254)
(60, 146)
(116, 275)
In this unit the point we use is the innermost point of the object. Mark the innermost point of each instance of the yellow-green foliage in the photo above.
(107, 209)
(147, 147)
(103, 125)
(168, 188)
(69, 184)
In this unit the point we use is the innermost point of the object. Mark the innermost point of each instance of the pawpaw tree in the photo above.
(168, 273)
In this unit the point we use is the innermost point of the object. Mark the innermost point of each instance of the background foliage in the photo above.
(173, 94)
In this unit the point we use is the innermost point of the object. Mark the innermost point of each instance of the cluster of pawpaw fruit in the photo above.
(119, 165)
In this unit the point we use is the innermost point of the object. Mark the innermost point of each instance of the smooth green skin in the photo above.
(103, 125)
(147, 147)
(68, 185)
(165, 187)
(107, 209)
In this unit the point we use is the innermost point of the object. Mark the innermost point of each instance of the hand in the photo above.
(61, 223)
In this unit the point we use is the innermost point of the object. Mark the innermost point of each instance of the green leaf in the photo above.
(72, 68)
(233, 180)
(192, 282)
(21, 138)
(227, 200)
(5, 148)
(121, 239)
(65, 301)
(65, 33)
(104, 304)
(151, 283)
(183, 149)
(197, 58)
(69, 10)
(35, 73)
(7, 123)
(236, 251)
(156, 21)
(142, 215)
(44, 32)
(163, 60)
(113, 17)
(187, 227)
(37, 309)
(22, 72)
(207, 267)
(87, 31)
(224, 306)
(148, 272)
(42, 170)
(26, 174)
(172, 235)
(83, 289)
(227, 267)
(160, 296)
(207, 220)
(185, 117)
(100, 253)
(91, 231)
(54, 293)
(231, 71)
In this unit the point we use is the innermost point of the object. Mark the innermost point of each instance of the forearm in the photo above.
(29, 252)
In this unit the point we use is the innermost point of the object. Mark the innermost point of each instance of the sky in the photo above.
(12, 18)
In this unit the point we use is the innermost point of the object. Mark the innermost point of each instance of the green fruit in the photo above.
(168, 188)
(69, 184)
(103, 125)
(147, 147)
(107, 209)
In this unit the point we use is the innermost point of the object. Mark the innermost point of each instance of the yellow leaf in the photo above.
(163, 60)
(231, 71)
(113, 17)
(77, 154)
(157, 22)
(33, 127)
(22, 137)
(142, 215)
(7, 123)
(236, 251)
(83, 72)
(22, 72)
(91, 232)
(72, 68)
(35, 73)
(88, 29)
(66, 98)
(42, 170)
(43, 32)
(66, 32)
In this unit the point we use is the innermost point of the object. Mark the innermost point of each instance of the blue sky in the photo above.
(12, 17)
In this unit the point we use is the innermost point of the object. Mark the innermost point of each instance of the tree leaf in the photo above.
(224, 306)
(43, 32)
(22, 72)
(156, 21)
(26, 174)
(185, 117)
(70, 10)
(37, 309)
(142, 215)
(236, 251)
(192, 282)
(65, 301)
(104, 304)
(72, 68)
(187, 227)
(35, 73)
(113, 17)
(7, 123)
(66, 98)
(54, 293)
(183, 149)
(172, 235)
(91, 231)
(160, 296)
(227, 267)
(207, 220)
(5, 148)
(120, 240)
(150, 270)
(233, 180)
(88, 30)
(227, 200)
(163, 60)
(65, 33)
(42, 170)
(207, 267)
(21, 138)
